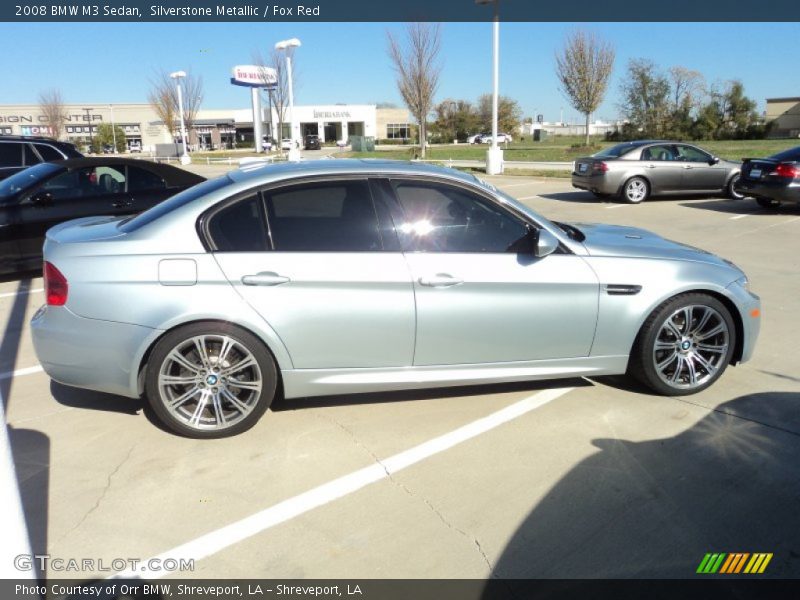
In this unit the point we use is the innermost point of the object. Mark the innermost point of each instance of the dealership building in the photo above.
(212, 128)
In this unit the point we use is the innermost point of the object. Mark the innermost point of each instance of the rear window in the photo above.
(177, 201)
(615, 151)
(793, 154)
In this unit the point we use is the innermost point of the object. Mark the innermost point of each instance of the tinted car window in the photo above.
(141, 179)
(10, 155)
(659, 153)
(323, 217)
(25, 179)
(441, 218)
(48, 152)
(86, 183)
(692, 154)
(616, 151)
(239, 227)
(793, 154)
(174, 203)
(30, 156)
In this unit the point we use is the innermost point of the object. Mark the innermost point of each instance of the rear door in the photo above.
(334, 288)
(661, 168)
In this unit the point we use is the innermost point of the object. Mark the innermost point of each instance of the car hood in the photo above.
(86, 229)
(632, 242)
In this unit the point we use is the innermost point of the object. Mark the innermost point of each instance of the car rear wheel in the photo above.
(768, 203)
(636, 190)
(731, 190)
(684, 346)
(210, 380)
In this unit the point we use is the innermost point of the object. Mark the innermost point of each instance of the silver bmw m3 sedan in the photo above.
(347, 276)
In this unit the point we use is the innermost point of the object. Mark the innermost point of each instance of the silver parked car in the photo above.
(331, 277)
(637, 170)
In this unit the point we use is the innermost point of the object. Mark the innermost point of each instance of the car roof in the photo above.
(263, 173)
(173, 175)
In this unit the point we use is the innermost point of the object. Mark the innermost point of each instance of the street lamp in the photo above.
(177, 76)
(288, 46)
(494, 155)
(89, 120)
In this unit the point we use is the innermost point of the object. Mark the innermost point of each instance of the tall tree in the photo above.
(646, 98)
(163, 97)
(456, 118)
(51, 104)
(583, 69)
(278, 98)
(509, 114)
(415, 63)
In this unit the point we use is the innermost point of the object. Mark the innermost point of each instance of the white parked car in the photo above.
(475, 138)
(502, 138)
(286, 144)
(135, 147)
(341, 143)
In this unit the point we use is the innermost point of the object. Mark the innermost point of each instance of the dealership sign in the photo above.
(253, 76)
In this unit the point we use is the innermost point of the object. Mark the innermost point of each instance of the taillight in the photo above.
(784, 170)
(600, 166)
(55, 285)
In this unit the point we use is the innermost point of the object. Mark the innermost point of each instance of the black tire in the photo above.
(236, 398)
(650, 365)
(768, 203)
(730, 189)
(636, 190)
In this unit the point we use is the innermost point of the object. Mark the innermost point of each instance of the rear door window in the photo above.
(334, 216)
(239, 227)
(48, 152)
(10, 155)
(30, 156)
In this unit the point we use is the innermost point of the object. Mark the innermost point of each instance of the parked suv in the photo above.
(312, 142)
(20, 152)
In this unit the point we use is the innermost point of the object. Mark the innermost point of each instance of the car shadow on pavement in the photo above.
(87, 399)
(653, 509)
(579, 197)
(281, 403)
(747, 206)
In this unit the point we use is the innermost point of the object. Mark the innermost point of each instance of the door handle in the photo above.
(440, 280)
(688, 167)
(650, 166)
(264, 278)
(122, 203)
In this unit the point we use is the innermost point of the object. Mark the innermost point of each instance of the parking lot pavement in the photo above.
(574, 478)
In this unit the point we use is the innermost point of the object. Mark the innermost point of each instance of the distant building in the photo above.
(212, 128)
(573, 129)
(784, 114)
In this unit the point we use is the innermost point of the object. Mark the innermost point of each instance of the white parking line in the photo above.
(616, 206)
(529, 197)
(20, 372)
(741, 216)
(215, 541)
(512, 185)
(21, 292)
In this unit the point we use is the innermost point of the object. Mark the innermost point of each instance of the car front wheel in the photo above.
(684, 346)
(636, 190)
(210, 380)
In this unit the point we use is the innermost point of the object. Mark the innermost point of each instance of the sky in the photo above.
(347, 62)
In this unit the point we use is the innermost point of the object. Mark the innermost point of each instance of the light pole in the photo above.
(113, 128)
(494, 155)
(288, 46)
(177, 76)
(89, 120)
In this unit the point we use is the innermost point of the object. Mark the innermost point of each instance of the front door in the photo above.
(479, 298)
(700, 173)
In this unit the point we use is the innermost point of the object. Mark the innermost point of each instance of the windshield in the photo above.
(615, 151)
(178, 200)
(26, 179)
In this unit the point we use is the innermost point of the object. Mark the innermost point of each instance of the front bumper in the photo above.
(749, 306)
(89, 353)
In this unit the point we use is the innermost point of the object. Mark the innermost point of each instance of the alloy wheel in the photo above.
(635, 190)
(691, 346)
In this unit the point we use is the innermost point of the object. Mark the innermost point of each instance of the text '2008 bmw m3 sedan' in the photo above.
(349, 276)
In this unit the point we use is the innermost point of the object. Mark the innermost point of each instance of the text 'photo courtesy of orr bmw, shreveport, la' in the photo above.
(332, 277)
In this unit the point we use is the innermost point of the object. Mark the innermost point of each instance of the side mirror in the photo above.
(545, 243)
(713, 160)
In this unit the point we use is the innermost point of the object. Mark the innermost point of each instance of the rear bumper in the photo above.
(88, 353)
(773, 191)
(599, 184)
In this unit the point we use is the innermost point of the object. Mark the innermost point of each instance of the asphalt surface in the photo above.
(577, 478)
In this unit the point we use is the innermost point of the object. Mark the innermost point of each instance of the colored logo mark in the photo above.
(735, 562)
